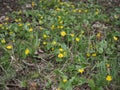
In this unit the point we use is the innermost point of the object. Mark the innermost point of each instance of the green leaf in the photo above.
(91, 84)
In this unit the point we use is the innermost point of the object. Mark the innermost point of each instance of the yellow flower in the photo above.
(94, 54)
(60, 49)
(72, 35)
(98, 35)
(59, 17)
(52, 27)
(57, 9)
(60, 55)
(77, 39)
(28, 24)
(63, 33)
(88, 54)
(52, 49)
(33, 4)
(61, 27)
(109, 78)
(19, 19)
(116, 16)
(64, 53)
(44, 43)
(41, 17)
(81, 70)
(41, 28)
(96, 13)
(108, 65)
(45, 36)
(74, 10)
(20, 24)
(115, 38)
(31, 29)
(16, 20)
(86, 11)
(9, 47)
(54, 43)
(64, 80)
(72, 6)
(79, 10)
(61, 22)
(1, 25)
(7, 18)
(3, 41)
(27, 51)
(58, 88)
(6, 23)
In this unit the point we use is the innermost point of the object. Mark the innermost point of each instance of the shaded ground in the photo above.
(7, 6)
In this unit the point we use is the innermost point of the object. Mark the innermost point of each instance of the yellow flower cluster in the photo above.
(31, 29)
(77, 39)
(60, 55)
(64, 80)
(63, 33)
(115, 38)
(52, 27)
(9, 47)
(27, 51)
(81, 70)
(108, 78)
(3, 41)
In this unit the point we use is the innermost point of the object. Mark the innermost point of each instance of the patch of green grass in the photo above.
(68, 44)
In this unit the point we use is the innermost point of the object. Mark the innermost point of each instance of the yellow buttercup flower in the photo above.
(81, 70)
(60, 55)
(58, 88)
(3, 41)
(77, 39)
(33, 4)
(31, 29)
(7, 18)
(20, 24)
(28, 24)
(98, 35)
(85, 11)
(72, 35)
(94, 54)
(54, 43)
(45, 36)
(108, 65)
(61, 22)
(60, 49)
(44, 43)
(41, 28)
(63, 33)
(75, 10)
(52, 27)
(88, 54)
(79, 10)
(116, 16)
(61, 27)
(16, 20)
(115, 38)
(109, 78)
(59, 17)
(27, 51)
(57, 9)
(9, 47)
(64, 80)
(1, 25)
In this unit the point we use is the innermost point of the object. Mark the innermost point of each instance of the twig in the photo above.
(28, 64)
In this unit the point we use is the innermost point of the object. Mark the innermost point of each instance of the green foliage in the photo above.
(73, 37)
